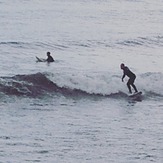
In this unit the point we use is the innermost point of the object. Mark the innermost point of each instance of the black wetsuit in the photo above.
(132, 77)
(50, 59)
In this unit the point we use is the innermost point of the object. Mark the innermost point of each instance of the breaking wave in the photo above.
(35, 85)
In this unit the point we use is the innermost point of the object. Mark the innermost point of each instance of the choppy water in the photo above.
(77, 109)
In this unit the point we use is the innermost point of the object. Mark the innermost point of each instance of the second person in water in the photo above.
(50, 58)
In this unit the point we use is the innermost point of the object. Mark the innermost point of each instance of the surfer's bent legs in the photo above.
(131, 83)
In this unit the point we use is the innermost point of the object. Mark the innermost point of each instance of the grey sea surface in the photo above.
(77, 109)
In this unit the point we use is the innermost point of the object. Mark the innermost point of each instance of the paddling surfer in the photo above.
(131, 75)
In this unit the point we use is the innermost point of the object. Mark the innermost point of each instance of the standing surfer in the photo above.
(131, 75)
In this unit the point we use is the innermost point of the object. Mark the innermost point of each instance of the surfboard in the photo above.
(138, 94)
(40, 59)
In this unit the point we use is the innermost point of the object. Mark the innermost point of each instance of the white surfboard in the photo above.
(40, 59)
(138, 94)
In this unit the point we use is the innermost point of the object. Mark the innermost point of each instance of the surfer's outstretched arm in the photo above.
(123, 77)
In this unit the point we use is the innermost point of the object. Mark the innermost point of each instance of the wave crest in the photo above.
(35, 85)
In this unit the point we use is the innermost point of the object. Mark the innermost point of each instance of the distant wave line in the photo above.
(143, 41)
(33, 45)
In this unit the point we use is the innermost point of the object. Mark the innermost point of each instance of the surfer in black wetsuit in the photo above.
(132, 77)
(50, 58)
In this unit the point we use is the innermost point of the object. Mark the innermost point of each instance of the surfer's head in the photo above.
(48, 53)
(122, 65)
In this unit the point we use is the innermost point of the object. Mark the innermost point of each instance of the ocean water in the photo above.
(77, 109)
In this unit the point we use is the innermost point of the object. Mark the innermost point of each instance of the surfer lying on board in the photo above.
(50, 58)
(131, 75)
